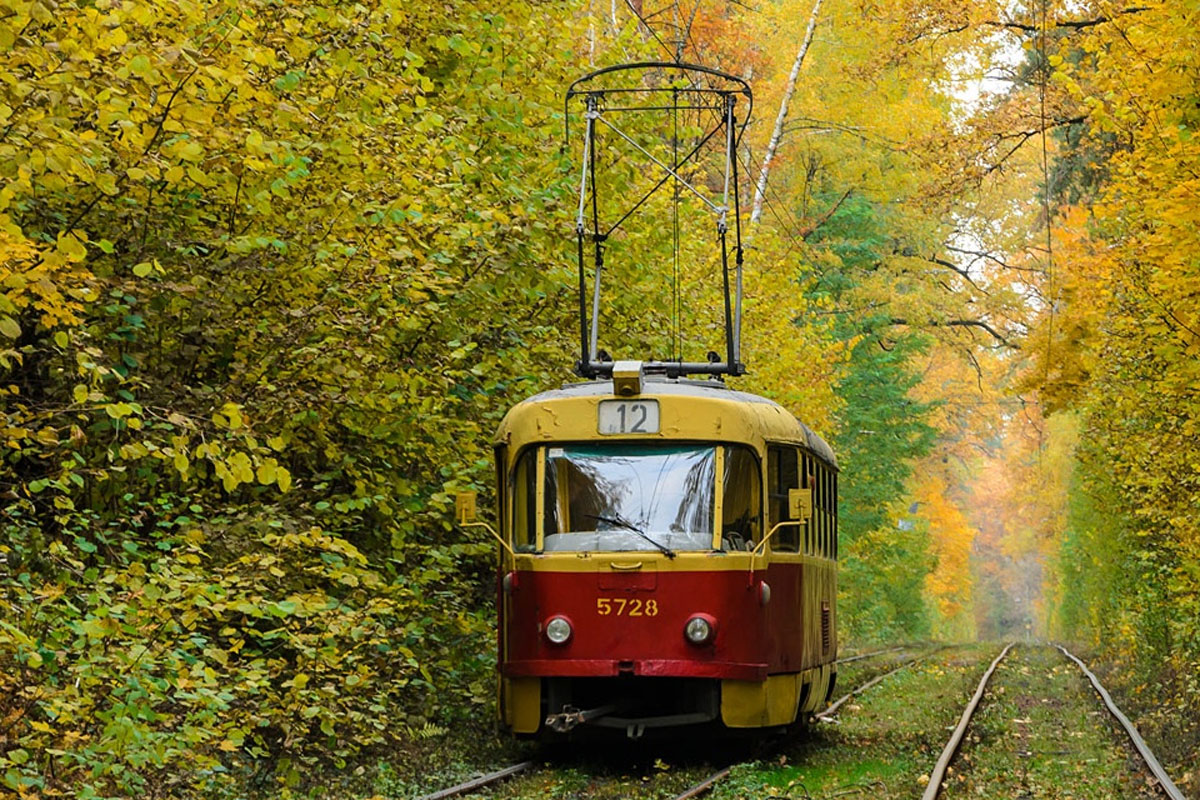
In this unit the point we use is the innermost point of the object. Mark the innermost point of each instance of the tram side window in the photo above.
(782, 475)
(805, 530)
(501, 453)
(814, 485)
(741, 504)
(820, 507)
(833, 545)
(826, 507)
(830, 504)
(524, 493)
(827, 515)
(818, 521)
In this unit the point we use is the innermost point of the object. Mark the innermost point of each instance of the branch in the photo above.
(941, 262)
(984, 254)
(1078, 24)
(821, 220)
(963, 323)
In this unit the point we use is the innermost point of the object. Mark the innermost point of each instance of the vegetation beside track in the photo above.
(271, 271)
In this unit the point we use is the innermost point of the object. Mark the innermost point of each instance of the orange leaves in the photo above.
(951, 536)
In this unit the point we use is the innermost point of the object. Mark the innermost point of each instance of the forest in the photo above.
(271, 273)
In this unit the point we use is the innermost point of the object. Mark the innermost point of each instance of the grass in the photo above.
(884, 742)
(1042, 732)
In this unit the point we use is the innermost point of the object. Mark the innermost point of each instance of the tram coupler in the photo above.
(570, 717)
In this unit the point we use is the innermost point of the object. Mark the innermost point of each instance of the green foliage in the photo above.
(881, 431)
(184, 648)
(1120, 349)
(259, 265)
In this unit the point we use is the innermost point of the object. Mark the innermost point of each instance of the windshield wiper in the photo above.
(629, 526)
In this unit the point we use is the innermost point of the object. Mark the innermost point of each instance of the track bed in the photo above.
(1042, 732)
(1039, 731)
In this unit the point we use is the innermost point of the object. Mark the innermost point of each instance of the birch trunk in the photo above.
(760, 188)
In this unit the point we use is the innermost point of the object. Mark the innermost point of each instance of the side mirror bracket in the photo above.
(466, 513)
(800, 509)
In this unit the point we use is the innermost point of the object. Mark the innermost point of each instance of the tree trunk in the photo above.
(760, 189)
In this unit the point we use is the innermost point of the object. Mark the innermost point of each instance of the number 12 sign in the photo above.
(628, 416)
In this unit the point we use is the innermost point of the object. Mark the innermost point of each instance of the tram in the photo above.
(667, 544)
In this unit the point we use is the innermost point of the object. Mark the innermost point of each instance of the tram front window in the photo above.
(622, 497)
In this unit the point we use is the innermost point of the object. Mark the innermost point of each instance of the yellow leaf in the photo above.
(197, 174)
(71, 248)
(232, 416)
(190, 151)
(266, 472)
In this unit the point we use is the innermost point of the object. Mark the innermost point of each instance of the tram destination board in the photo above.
(618, 417)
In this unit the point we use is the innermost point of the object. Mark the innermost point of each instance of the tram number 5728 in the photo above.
(622, 607)
(628, 416)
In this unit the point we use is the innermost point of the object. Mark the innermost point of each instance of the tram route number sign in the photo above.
(627, 416)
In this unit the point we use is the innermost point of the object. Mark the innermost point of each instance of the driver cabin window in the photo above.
(741, 501)
(524, 501)
(625, 496)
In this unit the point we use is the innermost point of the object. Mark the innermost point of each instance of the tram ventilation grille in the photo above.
(825, 627)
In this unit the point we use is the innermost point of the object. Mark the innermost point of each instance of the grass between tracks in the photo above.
(1042, 732)
(884, 742)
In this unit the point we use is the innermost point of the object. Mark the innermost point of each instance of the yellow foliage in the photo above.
(951, 536)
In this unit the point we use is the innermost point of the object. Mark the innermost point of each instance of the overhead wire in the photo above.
(651, 30)
(791, 229)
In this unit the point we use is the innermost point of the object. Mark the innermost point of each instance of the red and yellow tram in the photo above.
(669, 558)
(668, 544)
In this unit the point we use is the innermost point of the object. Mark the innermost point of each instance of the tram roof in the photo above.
(774, 420)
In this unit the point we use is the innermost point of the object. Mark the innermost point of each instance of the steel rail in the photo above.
(704, 785)
(939, 770)
(707, 784)
(873, 653)
(480, 782)
(1164, 781)
(828, 713)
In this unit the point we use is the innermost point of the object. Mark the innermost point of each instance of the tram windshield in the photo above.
(622, 497)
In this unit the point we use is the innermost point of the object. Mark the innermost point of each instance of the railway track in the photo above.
(938, 776)
(872, 654)
(827, 714)
(481, 782)
(1033, 753)
(712, 780)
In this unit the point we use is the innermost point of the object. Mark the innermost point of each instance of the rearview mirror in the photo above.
(464, 511)
(464, 507)
(800, 503)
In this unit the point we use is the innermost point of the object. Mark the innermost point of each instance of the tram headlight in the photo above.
(558, 630)
(699, 629)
